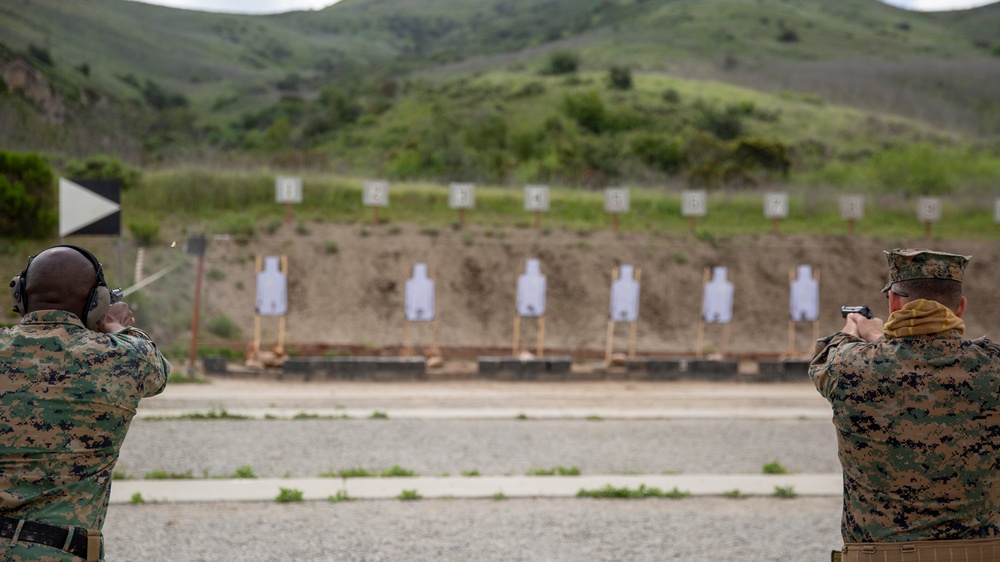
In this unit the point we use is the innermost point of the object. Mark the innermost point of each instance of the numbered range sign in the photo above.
(929, 209)
(616, 200)
(776, 205)
(531, 291)
(375, 194)
(536, 198)
(717, 307)
(625, 296)
(804, 301)
(694, 203)
(462, 196)
(272, 289)
(852, 207)
(287, 189)
(419, 300)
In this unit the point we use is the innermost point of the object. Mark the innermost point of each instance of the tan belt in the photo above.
(972, 550)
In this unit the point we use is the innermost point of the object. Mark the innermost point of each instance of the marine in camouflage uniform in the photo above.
(917, 414)
(67, 396)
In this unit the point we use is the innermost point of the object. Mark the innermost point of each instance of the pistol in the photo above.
(117, 295)
(863, 310)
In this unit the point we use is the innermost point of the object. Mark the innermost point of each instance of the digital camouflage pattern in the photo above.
(924, 264)
(918, 430)
(67, 396)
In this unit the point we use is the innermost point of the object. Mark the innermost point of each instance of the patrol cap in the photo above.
(906, 264)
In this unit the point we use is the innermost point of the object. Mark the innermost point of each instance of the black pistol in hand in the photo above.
(863, 310)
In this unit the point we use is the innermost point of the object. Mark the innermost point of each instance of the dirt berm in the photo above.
(354, 295)
(346, 285)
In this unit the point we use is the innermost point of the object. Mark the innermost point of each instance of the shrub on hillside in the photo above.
(587, 109)
(562, 62)
(620, 78)
(104, 167)
(27, 196)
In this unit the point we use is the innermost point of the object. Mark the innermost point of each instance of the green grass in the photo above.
(397, 472)
(560, 470)
(215, 414)
(244, 471)
(813, 209)
(409, 495)
(785, 492)
(164, 475)
(288, 495)
(340, 496)
(642, 491)
(136, 499)
(773, 468)
(470, 473)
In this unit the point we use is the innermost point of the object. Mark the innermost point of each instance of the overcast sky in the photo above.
(278, 6)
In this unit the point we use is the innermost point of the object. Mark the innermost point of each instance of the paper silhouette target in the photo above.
(272, 289)
(531, 291)
(804, 296)
(419, 301)
(625, 296)
(717, 306)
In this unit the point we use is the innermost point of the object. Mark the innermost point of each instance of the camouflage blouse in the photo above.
(918, 428)
(67, 396)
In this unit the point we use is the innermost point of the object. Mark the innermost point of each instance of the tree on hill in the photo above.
(27, 196)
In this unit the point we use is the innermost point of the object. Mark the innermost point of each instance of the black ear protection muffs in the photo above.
(98, 302)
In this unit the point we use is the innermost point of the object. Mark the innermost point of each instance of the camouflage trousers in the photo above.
(972, 550)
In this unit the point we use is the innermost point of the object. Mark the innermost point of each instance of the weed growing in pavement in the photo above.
(499, 496)
(521, 416)
(735, 494)
(340, 496)
(286, 495)
(595, 418)
(136, 499)
(379, 416)
(214, 414)
(560, 470)
(409, 495)
(785, 492)
(180, 378)
(243, 472)
(397, 471)
(121, 475)
(355, 473)
(164, 475)
(642, 491)
(774, 468)
(470, 473)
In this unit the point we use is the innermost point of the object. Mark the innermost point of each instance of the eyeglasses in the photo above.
(898, 292)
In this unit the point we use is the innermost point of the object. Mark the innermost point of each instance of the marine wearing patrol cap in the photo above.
(906, 264)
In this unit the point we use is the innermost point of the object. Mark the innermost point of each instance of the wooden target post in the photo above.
(702, 322)
(792, 323)
(434, 349)
(633, 325)
(540, 349)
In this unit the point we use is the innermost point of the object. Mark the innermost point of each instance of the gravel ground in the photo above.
(698, 529)
(307, 448)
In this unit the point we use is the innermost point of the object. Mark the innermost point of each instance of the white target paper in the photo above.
(625, 296)
(288, 189)
(419, 301)
(717, 308)
(929, 209)
(375, 194)
(804, 296)
(531, 291)
(272, 289)
(462, 196)
(616, 200)
(536, 198)
(776, 205)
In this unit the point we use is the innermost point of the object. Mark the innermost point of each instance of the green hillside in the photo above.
(719, 92)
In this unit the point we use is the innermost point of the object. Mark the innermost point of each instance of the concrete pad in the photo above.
(267, 489)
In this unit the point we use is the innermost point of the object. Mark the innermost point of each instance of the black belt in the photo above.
(48, 535)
